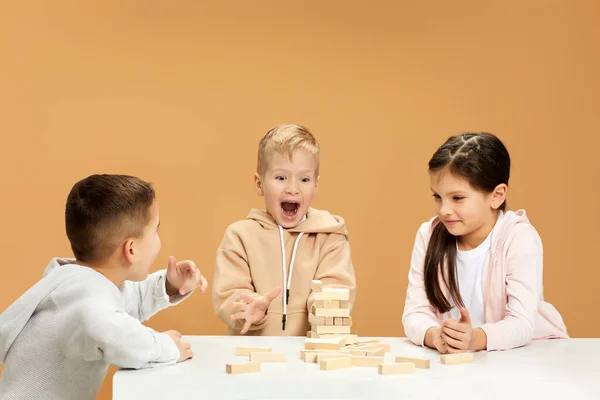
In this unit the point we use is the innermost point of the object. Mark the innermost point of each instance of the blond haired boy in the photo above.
(266, 262)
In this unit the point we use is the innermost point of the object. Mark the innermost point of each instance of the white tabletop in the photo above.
(552, 369)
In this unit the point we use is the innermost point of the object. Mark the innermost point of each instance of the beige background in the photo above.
(180, 93)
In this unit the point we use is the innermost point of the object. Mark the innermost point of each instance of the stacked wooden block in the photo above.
(330, 312)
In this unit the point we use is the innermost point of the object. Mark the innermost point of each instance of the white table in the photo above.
(553, 369)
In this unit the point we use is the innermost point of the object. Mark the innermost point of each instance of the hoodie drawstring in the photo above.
(287, 280)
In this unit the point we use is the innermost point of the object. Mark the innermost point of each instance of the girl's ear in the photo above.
(498, 196)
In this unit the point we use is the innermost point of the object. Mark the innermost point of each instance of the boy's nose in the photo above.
(291, 189)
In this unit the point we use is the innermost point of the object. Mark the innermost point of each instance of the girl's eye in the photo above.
(437, 196)
(458, 198)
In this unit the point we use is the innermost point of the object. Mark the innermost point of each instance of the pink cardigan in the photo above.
(515, 310)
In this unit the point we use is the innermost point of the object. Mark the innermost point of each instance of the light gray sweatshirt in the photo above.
(57, 339)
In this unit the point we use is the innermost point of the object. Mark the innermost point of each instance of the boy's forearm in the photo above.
(170, 289)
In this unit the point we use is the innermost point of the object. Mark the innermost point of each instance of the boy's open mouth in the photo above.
(290, 209)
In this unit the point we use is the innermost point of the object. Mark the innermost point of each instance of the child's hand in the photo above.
(183, 277)
(252, 309)
(437, 341)
(458, 335)
(185, 349)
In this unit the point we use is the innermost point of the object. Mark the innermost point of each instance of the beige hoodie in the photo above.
(249, 261)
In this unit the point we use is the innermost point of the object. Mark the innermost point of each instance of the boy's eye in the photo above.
(304, 180)
(280, 177)
(437, 196)
(458, 198)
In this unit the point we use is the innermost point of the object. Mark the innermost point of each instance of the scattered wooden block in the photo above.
(245, 351)
(378, 352)
(360, 353)
(335, 363)
(458, 358)
(323, 344)
(243, 368)
(338, 321)
(316, 286)
(331, 312)
(350, 339)
(329, 356)
(335, 304)
(396, 368)
(385, 346)
(363, 348)
(365, 361)
(267, 357)
(332, 294)
(331, 329)
(419, 362)
(373, 341)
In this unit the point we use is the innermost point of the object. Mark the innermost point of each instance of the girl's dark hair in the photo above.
(483, 161)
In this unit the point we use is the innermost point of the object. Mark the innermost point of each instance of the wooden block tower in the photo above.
(330, 312)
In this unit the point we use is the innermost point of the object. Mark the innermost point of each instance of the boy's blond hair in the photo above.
(286, 139)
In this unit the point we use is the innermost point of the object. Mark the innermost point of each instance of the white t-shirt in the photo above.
(471, 267)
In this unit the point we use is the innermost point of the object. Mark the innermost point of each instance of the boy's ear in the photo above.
(258, 185)
(129, 250)
(317, 184)
(498, 196)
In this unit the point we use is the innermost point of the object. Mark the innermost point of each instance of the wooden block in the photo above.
(345, 304)
(331, 329)
(458, 358)
(374, 341)
(335, 363)
(378, 352)
(326, 303)
(310, 355)
(363, 348)
(311, 335)
(329, 356)
(360, 353)
(318, 303)
(331, 312)
(385, 346)
(245, 351)
(312, 319)
(316, 286)
(332, 294)
(338, 321)
(350, 339)
(323, 344)
(335, 304)
(396, 368)
(366, 361)
(328, 321)
(348, 321)
(419, 362)
(243, 368)
(267, 357)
